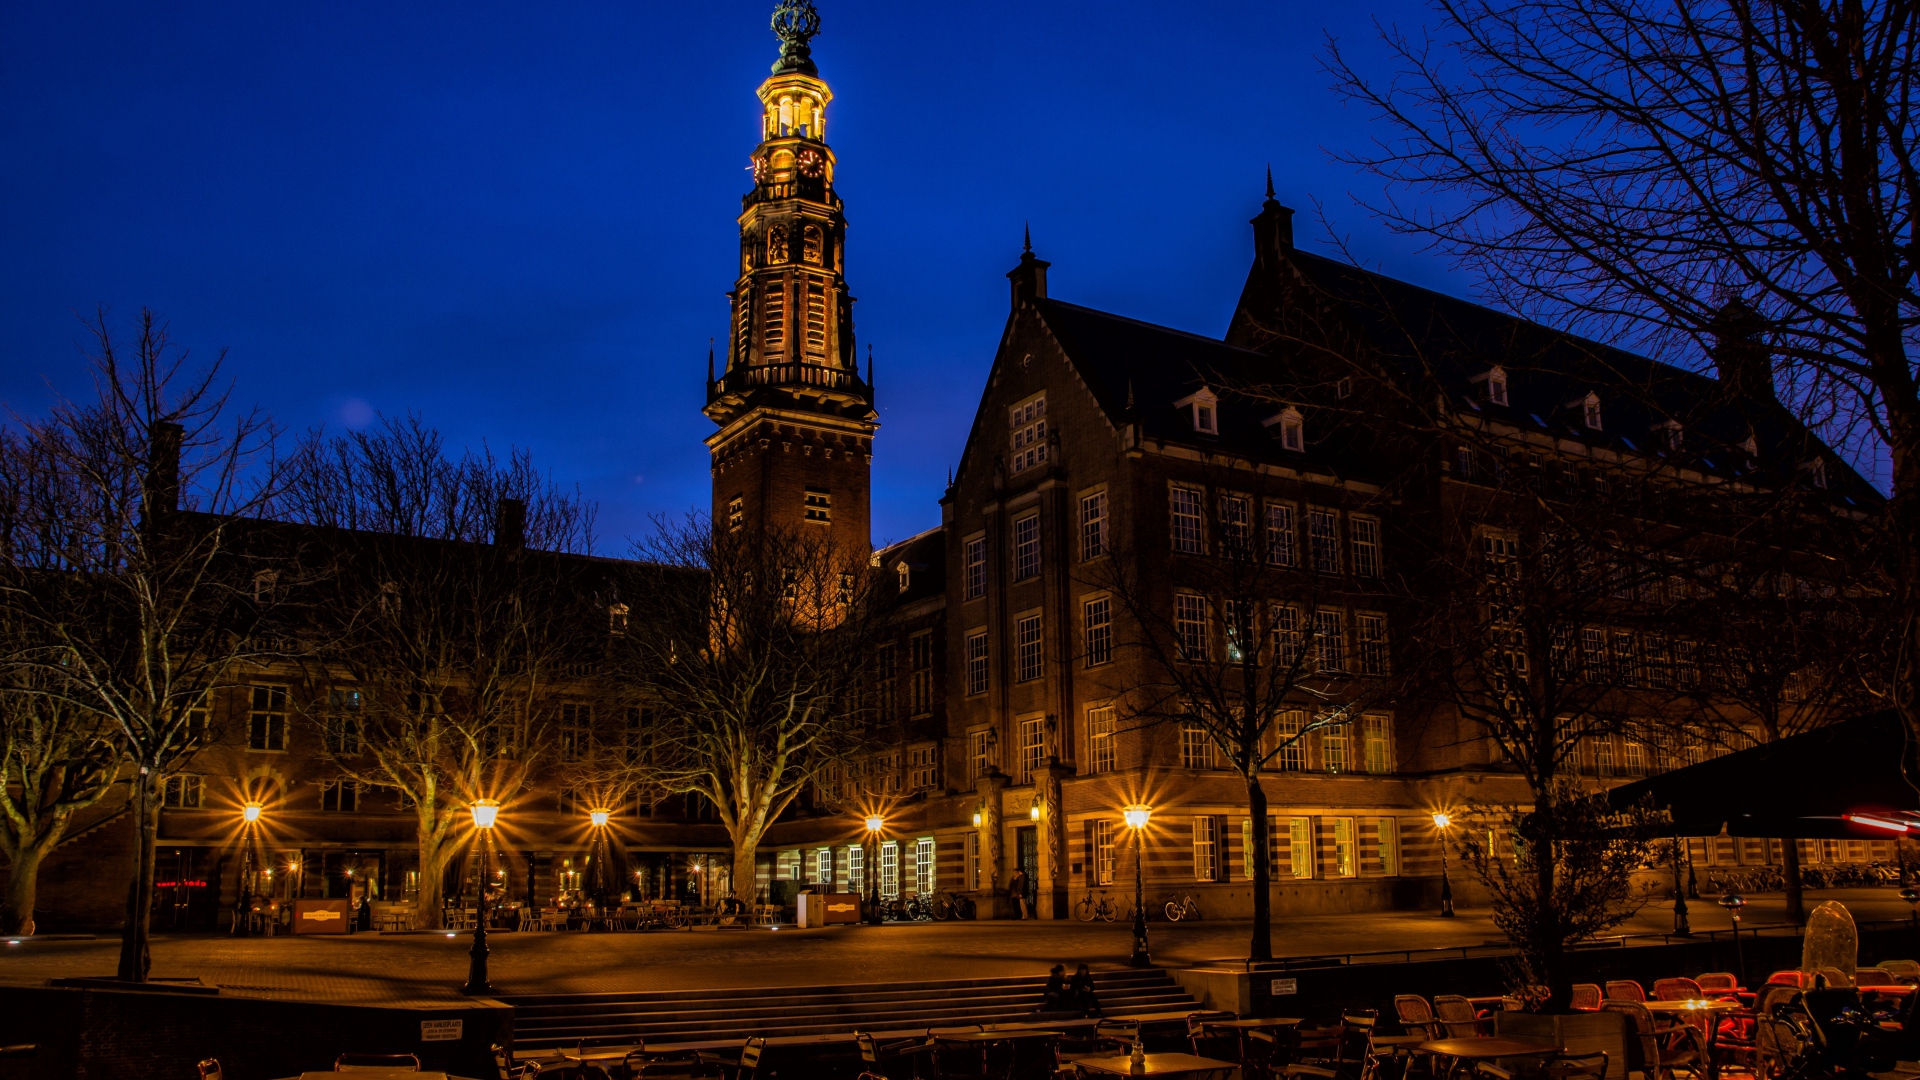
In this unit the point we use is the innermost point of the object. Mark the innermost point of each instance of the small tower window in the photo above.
(736, 513)
(819, 505)
(1497, 386)
(816, 316)
(774, 321)
(1590, 412)
(810, 245)
(1293, 429)
(786, 117)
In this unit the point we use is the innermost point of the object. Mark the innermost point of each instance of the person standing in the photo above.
(1017, 889)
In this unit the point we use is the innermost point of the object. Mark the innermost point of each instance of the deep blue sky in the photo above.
(518, 219)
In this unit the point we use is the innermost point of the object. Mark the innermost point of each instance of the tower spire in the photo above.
(1270, 182)
(709, 361)
(795, 22)
(1026, 239)
(869, 366)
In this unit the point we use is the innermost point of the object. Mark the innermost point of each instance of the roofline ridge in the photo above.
(1156, 326)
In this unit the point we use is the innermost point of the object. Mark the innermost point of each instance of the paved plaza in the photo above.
(394, 968)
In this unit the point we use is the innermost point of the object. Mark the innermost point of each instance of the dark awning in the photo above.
(1815, 785)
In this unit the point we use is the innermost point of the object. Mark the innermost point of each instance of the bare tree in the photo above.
(1682, 172)
(456, 644)
(127, 575)
(756, 649)
(1232, 645)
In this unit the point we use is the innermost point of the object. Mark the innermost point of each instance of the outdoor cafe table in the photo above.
(1240, 1028)
(1482, 1049)
(1712, 1026)
(985, 1039)
(1164, 1065)
(380, 1074)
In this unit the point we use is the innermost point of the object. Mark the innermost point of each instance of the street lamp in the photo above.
(250, 813)
(871, 868)
(1033, 812)
(599, 818)
(1733, 902)
(1136, 819)
(1441, 821)
(485, 813)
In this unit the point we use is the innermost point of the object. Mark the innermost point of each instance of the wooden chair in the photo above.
(1907, 971)
(1625, 990)
(509, 1069)
(1661, 1049)
(210, 1069)
(875, 1054)
(1458, 1015)
(1718, 983)
(369, 1062)
(1836, 979)
(1586, 997)
(1874, 976)
(1416, 1015)
(1107, 1037)
(1799, 980)
(1776, 1041)
(1353, 1056)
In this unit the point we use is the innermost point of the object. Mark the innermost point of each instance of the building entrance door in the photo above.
(1026, 852)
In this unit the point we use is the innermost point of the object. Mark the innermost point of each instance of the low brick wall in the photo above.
(86, 1033)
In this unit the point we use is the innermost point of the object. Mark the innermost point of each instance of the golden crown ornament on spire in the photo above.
(795, 21)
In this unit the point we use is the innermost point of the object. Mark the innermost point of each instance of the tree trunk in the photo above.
(1551, 945)
(1261, 948)
(136, 958)
(745, 875)
(428, 899)
(23, 887)
(1790, 869)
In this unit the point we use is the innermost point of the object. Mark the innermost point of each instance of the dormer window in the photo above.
(905, 574)
(1590, 411)
(616, 619)
(1203, 409)
(1343, 388)
(1293, 429)
(1751, 446)
(1817, 472)
(1675, 434)
(1496, 385)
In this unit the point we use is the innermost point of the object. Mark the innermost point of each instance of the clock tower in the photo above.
(795, 444)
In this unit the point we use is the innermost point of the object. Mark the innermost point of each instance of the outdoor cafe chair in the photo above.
(1906, 971)
(1108, 1037)
(1661, 1049)
(1625, 990)
(1718, 982)
(876, 1054)
(741, 1067)
(1776, 1041)
(509, 1069)
(210, 1069)
(1204, 1043)
(1799, 980)
(1353, 1057)
(1836, 979)
(369, 1062)
(1586, 997)
(1416, 1015)
(1874, 976)
(1676, 990)
(1458, 1014)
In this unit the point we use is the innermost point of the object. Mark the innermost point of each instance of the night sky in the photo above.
(518, 219)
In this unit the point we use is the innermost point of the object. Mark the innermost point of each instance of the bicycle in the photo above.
(1182, 906)
(1089, 909)
(952, 905)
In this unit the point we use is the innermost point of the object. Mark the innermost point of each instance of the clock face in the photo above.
(759, 169)
(811, 163)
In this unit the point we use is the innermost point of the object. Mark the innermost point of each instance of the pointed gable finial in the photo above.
(709, 359)
(1270, 182)
(1026, 239)
(1129, 394)
(869, 365)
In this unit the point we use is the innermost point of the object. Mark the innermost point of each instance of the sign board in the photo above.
(442, 1030)
(322, 916)
(1285, 987)
(824, 909)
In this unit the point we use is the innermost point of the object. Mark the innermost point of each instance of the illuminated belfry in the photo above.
(796, 420)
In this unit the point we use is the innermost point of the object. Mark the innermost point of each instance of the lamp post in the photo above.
(1733, 902)
(485, 813)
(1136, 819)
(1681, 924)
(602, 884)
(1440, 822)
(250, 858)
(871, 868)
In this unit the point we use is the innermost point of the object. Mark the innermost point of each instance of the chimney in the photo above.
(1030, 277)
(1740, 353)
(162, 494)
(1272, 230)
(510, 524)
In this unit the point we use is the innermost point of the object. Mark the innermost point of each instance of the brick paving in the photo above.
(401, 968)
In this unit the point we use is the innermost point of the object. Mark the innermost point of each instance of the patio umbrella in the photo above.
(1846, 780)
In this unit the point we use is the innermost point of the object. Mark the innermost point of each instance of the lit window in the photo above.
(1027, 648)
(823, 866)
(1093, 525)
(1247, 848)
(1387, 846)
(856, 870)
(1103, 852)
(1333, 748)
(903, 575)
(977, 672)
(1100, 746)
(616, 619)
(1292, 754)
(1026, 547)
(736, 513)
(1097, 626)
(1190, 625)
(976, 568)
(923, 863)
(1281, 550)
(1196, 747)
(1027, 435)
(1363, 535)
(1343, 861)
(1370, 634)
(1300, 846)
(1184, 521)
(1377, 729)
(819, 505)
(182, 792)
(979, 753)
(1033, 748)
(1206, 844)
